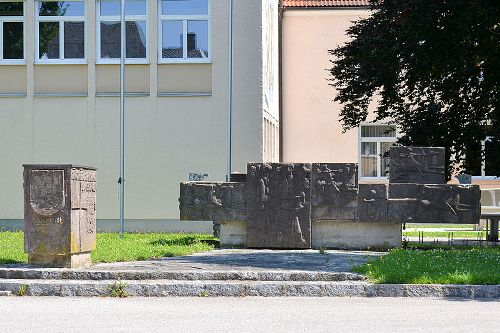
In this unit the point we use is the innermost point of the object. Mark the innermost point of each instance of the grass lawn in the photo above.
(441, 226)
(456, 234)
(111, 248)
(443, 266)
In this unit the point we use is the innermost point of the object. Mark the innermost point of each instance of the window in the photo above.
(374, 144)
(109, 28)
(486, 167)
(60, 32)
(12, 32)
(184, 31)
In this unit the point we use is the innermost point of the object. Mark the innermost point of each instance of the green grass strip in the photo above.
(445, 234)
(110, 248)
(440, 266)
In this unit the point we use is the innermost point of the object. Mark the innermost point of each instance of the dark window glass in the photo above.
(185, 7)
(110, 40)
(62, 8)
(197, 39)
(172, 39)
(49, 40)
(13, 40)
(11, 9)
(136, 39)
(74, 40)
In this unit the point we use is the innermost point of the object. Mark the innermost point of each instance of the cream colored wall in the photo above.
(166, 137)
(13, 80)
(192, 78)
(311, 127)
(68, 79)
(108, 78)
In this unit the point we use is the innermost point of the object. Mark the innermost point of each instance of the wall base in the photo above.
(75, 260)
(356, 235)
(330, 234)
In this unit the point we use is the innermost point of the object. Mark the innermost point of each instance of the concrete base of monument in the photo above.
(75, 260)
(331, 234)
(233, 234)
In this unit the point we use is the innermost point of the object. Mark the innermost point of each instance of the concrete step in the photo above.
(5, 293)
(269, 275)
(161, 288)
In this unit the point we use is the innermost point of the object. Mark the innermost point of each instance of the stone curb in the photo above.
(5, 293)
(69, 274)
(165, 288)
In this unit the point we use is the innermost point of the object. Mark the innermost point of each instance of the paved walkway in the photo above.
(253, 260)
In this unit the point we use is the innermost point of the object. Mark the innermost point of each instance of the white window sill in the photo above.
(127, 62)
(485, 178)
(61, 62)
(164, 61)
(12, 62)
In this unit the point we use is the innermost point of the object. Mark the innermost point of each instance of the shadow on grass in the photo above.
(5, 261)
(184, 241)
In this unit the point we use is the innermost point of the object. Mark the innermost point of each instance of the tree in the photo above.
(433, 68)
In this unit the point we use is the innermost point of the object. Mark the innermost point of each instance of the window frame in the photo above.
(116, 61)
(184, 18)
(13, 19)
(483, 175)
(61, 20)
(378, 141)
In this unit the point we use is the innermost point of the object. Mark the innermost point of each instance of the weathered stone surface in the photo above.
(60, 214)
(448, 204)
(420, 165)
(278, 205)
(218, 202)
(372, 203)
(334, 191)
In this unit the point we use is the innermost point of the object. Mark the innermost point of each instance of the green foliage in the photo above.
(322, 250)
(204, 293)
(23, 289)
(117, 289)
(434, 66)
(451, 266)
(111, 248)
(11, 248)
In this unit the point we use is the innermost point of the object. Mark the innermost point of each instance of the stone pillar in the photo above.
(59, 215)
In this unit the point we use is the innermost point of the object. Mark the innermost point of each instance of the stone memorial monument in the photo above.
(59, 215)
(304, 205)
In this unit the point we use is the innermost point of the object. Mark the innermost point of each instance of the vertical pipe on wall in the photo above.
(122, 116)
(230, 90)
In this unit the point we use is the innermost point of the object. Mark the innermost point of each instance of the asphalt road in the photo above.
(30, 314)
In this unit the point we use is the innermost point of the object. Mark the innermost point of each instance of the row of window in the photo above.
(60, 31)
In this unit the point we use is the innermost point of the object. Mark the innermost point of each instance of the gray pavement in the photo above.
(248, 314)
(254, 260)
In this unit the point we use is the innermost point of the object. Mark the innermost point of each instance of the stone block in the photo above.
(402, 210)
(356, 235)
(334, 191)
(420, 165)
(59, 214)
(233, 234)
(203, 201)
(372, 203)
(278, 205)
(454, 204)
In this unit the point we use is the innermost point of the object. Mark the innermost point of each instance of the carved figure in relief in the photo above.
(292, 200)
